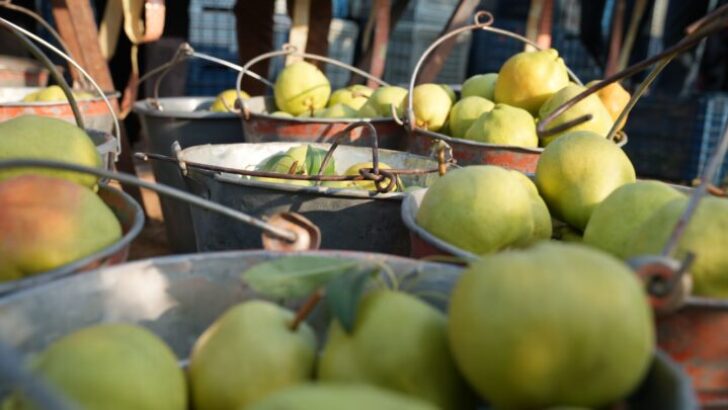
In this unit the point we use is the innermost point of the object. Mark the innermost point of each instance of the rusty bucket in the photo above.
(131, 218)
(22, 72)
(260, 126)
(94, 110)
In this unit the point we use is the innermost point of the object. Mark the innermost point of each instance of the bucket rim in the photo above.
(146, 108)
(23, 104)
(285, 187)
(485, 145)
(36, 280)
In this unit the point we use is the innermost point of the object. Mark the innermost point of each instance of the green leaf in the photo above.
(314, 159)
(344, 292)
(294, 276)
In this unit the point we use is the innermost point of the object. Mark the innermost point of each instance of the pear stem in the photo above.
(292, 169)
(306, 309)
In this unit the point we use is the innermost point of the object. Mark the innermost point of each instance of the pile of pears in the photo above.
(554, 325)
(504, 108)
(306, 160)
(49, 218)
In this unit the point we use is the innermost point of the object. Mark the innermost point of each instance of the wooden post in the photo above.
(461, 16)
(77, 26)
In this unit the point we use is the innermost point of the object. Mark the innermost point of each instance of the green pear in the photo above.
(249, 353)
(400, 343)
(301, 87)
(339, 111)
(49, 222)
(450, 92)
(431, 105)
(48, 94)
(706, 236)
(528, 79)
(578, 171)
(481, 85)
(381, 101)
(39, 137)
(542, 227)
(336, 396)
(317, 113)
(281, 114)
(355, 96)
(111, 367)
(616, 219)
(225, 101)
(554, 324)
(480, 209)
(600, 123)
(464, 113)
(504, 125)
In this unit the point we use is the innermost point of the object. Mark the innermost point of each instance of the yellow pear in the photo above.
(301, 87)
(354, 96)
(464, 113)
(49, 222)
(481, 85)
(600, 123)
(528, 79)
(431, 104)
(504, 125)
(615, 99)
(225, 101)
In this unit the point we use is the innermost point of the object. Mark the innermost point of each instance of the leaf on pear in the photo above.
(314, 159)
(294, 276)
(344, 292)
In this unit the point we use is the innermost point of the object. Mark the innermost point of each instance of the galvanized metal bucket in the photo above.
(178, 297)
(187, 121)
(130, 216)
(348, 218)
(260, 126)
(22, 72)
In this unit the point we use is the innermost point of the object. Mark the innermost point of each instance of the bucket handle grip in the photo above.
(117, 129)
(479, 24)
(185, 52)
(290, 50)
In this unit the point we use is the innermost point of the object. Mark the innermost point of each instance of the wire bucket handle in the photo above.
(186, 52)
(479, 24)
(285, 232)
(23, 35)
(291, 50)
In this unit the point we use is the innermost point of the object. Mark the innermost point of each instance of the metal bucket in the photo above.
(22, 72)
(261, 127)
(188, 121)
(130, 216)
(468, 152)
(348, 218)
(94, 110)
(178, 297)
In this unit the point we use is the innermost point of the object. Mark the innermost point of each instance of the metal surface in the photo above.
(178, 297)
(348, 218)
(130, 216)
(468, 152)
(95, 113)
(188, 121)
(262, 127)
(22, 72)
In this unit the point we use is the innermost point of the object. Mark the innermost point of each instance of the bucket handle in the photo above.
(8, 4)
(712, 23)
(479, 24)
(289, 50)
(71, 99)
(285, 235)
(184, 53)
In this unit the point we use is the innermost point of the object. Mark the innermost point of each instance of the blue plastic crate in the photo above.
(712, 123)
(206, 78)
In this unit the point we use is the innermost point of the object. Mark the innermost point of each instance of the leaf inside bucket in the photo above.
(344, 292)
(314, 159)
(294, 276)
